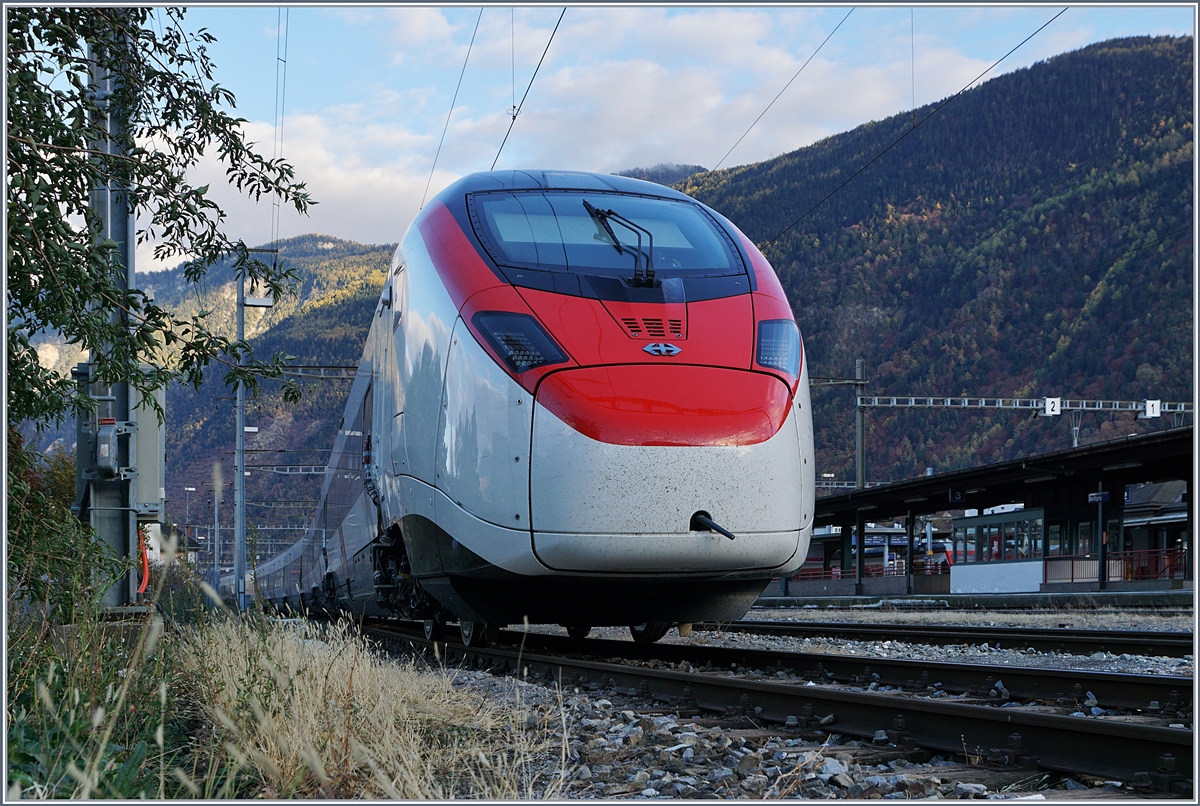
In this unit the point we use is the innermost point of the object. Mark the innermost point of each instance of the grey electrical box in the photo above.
(107, 450)
(149, 488)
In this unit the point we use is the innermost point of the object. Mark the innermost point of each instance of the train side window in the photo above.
(1083, 538)
(992, 548)
(1035, 537)
(1023, 540)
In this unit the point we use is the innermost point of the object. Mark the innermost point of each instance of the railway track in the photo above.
(1069, 640)
(1154, 695)
(1017, 737)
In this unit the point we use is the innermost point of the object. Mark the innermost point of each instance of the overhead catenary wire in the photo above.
(912, 55)
(512, 54)
(907, 132)
(453, 101)
(521, 106)
(282, 20)
(782, 91)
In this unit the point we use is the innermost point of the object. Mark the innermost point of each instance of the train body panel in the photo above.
(581, 485)
(484, 436)
(428, 320)
(562, 370)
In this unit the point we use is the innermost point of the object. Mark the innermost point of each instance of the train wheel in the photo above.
(434, 629)
(649, 632)
(474, 633)
(578, 631)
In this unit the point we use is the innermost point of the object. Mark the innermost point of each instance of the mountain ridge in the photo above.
(1044, 213)
(1031, 239)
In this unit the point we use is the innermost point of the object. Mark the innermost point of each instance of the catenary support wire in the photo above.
(453, 101)
(282, 26)
(912, 54)
(526, 95)
(896, 142)
(782, 91)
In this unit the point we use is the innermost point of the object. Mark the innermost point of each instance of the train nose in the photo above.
(625, 456)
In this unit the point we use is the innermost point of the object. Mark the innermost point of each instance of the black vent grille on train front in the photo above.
(653, 328)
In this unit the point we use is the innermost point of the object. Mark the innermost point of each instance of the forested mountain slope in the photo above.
(1032, 238)
(326, 324)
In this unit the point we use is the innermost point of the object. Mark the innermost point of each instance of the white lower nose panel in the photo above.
(579, 485)
(659, 553)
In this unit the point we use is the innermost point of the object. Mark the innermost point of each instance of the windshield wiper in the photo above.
(601, 217)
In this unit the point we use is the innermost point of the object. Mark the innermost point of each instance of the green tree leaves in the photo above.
(61, 274)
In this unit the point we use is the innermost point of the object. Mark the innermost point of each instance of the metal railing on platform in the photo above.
(1121, 566)
(1140, 565)
(920, 568)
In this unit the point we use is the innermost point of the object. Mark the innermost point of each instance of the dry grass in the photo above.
(312, 711)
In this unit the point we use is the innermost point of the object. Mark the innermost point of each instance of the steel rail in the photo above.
(1113, 690)
(1074, 745)
(1133, 642)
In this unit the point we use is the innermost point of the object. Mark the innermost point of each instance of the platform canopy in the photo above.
(1157, 456)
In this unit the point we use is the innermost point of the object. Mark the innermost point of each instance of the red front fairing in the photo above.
(643, 404)
(629, 396)
(463, 272)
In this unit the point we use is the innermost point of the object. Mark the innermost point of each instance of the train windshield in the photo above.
(562, 231)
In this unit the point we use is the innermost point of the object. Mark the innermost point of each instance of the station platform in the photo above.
(1132, 600)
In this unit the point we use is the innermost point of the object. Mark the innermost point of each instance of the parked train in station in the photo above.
(583, 401)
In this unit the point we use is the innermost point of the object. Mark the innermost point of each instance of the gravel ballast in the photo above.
(603, 745)
(607, 745)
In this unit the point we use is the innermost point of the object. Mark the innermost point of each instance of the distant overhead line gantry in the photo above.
(1044, 406)
(291, 470)
(341, 373)
(1040, 406)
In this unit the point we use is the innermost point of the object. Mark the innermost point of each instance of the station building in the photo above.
(1108, 516)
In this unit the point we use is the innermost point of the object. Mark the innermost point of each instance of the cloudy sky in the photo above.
(367, 89)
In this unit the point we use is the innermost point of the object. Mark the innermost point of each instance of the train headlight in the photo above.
(779, 346)
(519, 339)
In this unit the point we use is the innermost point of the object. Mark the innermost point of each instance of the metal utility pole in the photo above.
(1099, 498)
(239, 462)
(909, 524)
(1076, 421)
(187, 515)
(860, 426)
(218, 485)
(239, 466)
(105, 467)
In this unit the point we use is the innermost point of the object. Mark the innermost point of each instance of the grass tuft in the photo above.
(312, 710)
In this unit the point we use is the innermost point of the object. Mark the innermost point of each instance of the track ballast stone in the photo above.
(619, 747)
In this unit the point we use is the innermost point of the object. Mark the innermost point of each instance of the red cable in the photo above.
(145, 561)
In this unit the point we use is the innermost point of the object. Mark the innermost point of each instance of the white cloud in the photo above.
(620, 88)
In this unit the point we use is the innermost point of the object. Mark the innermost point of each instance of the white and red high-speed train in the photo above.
(583, 401)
